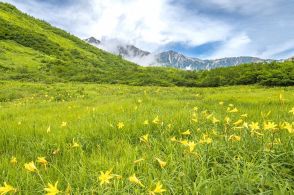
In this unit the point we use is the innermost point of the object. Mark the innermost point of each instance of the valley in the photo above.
(94, 117)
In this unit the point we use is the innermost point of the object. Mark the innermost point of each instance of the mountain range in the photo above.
(168, 58)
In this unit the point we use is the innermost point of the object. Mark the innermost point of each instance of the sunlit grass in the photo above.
(105, 139)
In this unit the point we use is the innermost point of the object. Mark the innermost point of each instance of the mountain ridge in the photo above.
(172, 58)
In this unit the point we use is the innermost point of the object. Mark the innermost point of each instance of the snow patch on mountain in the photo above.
(169, 58)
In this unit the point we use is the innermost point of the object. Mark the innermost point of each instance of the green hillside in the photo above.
(33, 50)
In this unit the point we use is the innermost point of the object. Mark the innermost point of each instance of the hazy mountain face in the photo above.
(118, 47)
(168, 58)
(125, 50)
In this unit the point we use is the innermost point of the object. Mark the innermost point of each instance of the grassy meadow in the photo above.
(115, 139)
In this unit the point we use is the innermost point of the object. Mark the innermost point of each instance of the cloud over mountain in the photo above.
(227, 27)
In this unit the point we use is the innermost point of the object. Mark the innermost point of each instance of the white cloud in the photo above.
(151, 24)
(114, 45)
(239, 44)
(243, 27)
(245, 6)
(284, 50)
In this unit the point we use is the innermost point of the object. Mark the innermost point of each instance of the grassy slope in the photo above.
(92, 113)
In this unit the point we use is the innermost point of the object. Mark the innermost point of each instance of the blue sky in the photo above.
(197, 28)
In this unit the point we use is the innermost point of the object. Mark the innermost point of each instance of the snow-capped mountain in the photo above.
(177, 60)
(168, 58)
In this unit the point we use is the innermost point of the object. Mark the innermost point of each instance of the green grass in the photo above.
(255, 164)
(20, 57)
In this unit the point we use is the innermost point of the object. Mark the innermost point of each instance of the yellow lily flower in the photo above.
(135, 180)
(13, 160)
(52, 189)
(188, 132)
(162, 164)
(120, 125)
(6, 189)
(31, 167)
(105, 178)
(145, 138)
(234, 138)
(158, 189)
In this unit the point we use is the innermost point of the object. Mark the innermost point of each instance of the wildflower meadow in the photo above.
(115, 139)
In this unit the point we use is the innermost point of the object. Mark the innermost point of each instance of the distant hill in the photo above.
(169, 58)
(33, 50)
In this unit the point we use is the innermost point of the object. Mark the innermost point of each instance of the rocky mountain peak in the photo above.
(93, 40)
